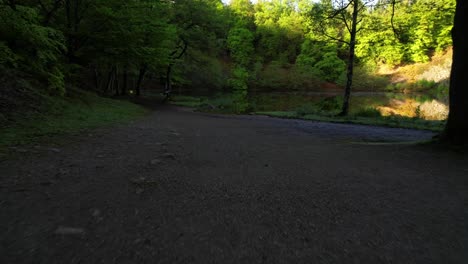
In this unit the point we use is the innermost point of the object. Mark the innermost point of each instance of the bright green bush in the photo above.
(330, 67)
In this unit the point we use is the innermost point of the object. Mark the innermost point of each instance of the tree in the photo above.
(29, 47)
(198, 27)
(456, 130)
(240, 44)
(340, 11)
(128, 37)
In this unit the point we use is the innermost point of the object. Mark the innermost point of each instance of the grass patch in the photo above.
(70, 115)
(218, 104)
(187, 101)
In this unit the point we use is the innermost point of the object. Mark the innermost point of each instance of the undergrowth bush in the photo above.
(368, 112)
(330, 104)
(306, 109)
(223, 103)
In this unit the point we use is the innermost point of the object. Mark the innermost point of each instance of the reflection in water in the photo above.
(420, 105)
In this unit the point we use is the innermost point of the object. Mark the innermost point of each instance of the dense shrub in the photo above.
(330, 104)
(368, 112)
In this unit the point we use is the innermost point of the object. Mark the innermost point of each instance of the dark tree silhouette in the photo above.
(456, 130)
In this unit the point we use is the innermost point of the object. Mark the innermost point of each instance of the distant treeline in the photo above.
(112, 46)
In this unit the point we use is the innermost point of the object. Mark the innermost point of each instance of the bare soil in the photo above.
(185, 187)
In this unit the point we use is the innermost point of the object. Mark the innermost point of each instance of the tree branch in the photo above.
(345, 22)
(395, 32)
(49, 13)
(331, 37)
(340, 10)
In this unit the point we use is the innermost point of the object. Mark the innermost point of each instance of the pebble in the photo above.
(139, 191)
(155, 161)
(20, 150)
(56, 150)
(64, 230)
(96, 212)
(169, 156)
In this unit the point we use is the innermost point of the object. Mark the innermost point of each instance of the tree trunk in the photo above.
(350, 67)
(116, 80)
(125, 81)
(70, 34)
(168, 85)
(49, 14)
(141, 76)
(456, 129)
(110, 80)
(175, 57)
(96, 79)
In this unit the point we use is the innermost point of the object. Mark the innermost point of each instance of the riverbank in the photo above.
(324, 107)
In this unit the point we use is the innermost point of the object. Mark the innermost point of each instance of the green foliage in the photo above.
(441, 92)
(306, 109)
(238, 83)
(432, 24)
(203, 72)
(274, 76)
(303, 78)
(188, 101)
(286, 77)
(425, 85)
(280, 101)
(130, 34)
(56, 81)
(330, 67)
(330, 104)
(222, 103)
(28, 46)
(321, 60)
(418, 86)
(207, 47)
(279, 29)
(7, 57)
(365, 79)
(242, 8)
(240, 44)
(419, 28)
(312, 52)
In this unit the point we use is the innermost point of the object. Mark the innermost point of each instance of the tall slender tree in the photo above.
(348, 13)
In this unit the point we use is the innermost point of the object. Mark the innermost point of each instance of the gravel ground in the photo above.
(184, 187)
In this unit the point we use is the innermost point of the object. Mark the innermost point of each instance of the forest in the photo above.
(293, 58)
(233, 131)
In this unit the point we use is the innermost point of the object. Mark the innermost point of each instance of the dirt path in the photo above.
(183, 187)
